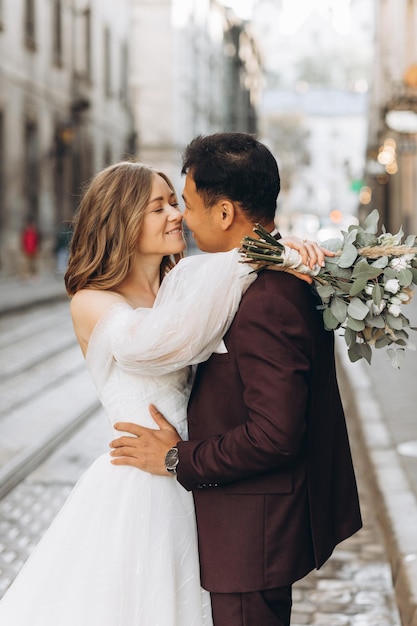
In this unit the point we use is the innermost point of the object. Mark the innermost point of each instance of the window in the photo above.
(57, 32)
(107, 63)
(124, 80)
(29, 24)
(87, 41)
(82, 44)
(31, 166)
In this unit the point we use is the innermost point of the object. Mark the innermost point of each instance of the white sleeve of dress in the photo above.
(193, 309)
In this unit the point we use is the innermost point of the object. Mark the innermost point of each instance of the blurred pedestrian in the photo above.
(30, 248)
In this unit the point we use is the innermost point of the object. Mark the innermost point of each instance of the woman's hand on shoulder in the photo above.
(310, 251)
(87, 306)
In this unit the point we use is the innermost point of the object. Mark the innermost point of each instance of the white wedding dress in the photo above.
(123, 549)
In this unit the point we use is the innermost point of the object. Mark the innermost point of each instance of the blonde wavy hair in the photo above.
(107, 225)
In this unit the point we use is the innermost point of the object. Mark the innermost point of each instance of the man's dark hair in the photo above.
(234, 166)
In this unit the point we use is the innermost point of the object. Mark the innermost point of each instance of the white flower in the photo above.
(401, 262)
(392, 285)
(396, 300)
(375, 309)
(394, 309)
(404, 297)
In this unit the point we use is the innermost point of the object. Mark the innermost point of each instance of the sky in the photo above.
(295, 12)
(242, 8)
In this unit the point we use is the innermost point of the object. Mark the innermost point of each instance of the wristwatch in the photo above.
(172, 460)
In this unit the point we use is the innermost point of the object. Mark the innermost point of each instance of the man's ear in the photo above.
(226, 213)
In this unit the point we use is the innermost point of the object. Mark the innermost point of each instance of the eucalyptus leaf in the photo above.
(354, 324)
(348, 256)
(334, 245)
(394, 322)
(336, 271)
(405, 276)
(358, 285)
(364, 350)
(325, 291)
(343, 287)
(398, 236)
(357, 309)
(382, 342)
(339, 309)
(376, 321)
(381, 262)
(353, 355)
(350, 337)
(409, 242)
(354, 227)
(396, 357)
(351, 236)
(330, 322)
(366, 239)
(371, 222)
(377, 294)
(406, 322)
(362, 269)
(390, 273)
(413, 270)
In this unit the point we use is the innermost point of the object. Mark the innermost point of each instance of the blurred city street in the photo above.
(330, 87)
(370, 577)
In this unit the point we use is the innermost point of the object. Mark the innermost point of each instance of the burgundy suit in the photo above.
(268, 458)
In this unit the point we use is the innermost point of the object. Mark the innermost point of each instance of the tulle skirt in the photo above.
(121, 552)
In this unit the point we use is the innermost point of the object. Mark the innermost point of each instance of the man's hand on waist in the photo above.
(147, 449)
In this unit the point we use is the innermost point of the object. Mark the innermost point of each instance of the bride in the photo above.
(123, 549)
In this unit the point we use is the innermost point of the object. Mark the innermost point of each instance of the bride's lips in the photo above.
(175, 231)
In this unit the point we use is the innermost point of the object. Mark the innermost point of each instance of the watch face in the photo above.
(171, 459)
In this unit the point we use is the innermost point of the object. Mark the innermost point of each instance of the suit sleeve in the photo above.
(273, 356)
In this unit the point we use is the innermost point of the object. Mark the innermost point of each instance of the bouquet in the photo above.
(362, 288)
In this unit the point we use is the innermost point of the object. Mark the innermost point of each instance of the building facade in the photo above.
(64, 111)
(196, 69)
(392, 141)
(84, 83)
(314, 107)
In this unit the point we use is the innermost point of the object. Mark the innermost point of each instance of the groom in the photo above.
(268, 458)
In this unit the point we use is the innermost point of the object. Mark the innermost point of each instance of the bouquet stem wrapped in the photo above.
(362, 288)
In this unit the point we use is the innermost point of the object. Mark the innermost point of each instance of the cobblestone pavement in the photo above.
(353, 588)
